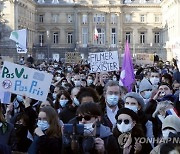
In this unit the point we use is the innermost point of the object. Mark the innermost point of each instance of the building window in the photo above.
(84, 18)
(128, 37)
(156, 37)
(113, 36)
(128, 18)
(101, 36)
(55, 37)
(69, 38)
(142, 1)
(84, 36)
(142, 18)
(41, 18)
(99, 18)
(113, 18)
(41, 39)
(55, 1)
(54, 18)
(142, 37)
(70, 18)
(40, 1)
(127, 1)
(156, 18)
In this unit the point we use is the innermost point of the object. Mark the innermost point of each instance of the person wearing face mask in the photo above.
(135, 102)
(67, 107)
(77, 80)
(170, 128)
(154, 78)
(48, 137)
(90, 81)
(89, 115)
(111, 104)
(145, 90)
(127, 125)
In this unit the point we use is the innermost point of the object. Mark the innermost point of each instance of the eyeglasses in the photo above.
(86, 117)
(126, 121)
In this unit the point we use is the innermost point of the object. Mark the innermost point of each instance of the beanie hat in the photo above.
(127, 111)
(145, 85)
(135, 96)
(171, 121)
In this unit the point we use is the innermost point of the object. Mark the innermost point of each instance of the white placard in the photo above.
(104, 61)
(5, 97)
(25, 81)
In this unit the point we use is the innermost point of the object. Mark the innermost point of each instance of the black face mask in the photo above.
(20, 130)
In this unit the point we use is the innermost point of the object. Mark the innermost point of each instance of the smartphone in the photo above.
(79, 129)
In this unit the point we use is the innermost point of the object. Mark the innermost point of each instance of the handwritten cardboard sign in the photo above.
(144, 58)
(73, 57)
(22, 80)
(104, 61)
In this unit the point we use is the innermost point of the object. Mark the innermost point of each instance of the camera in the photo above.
(75, 139)
(162, 93)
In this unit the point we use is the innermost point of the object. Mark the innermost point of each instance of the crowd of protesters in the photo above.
(91, 113)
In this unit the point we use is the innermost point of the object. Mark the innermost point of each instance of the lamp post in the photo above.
(48, 35)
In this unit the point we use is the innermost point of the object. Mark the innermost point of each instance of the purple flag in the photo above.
(127, 71)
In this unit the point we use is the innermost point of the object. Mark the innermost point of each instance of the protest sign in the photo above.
(144, 58)
(25, 81)
(104, 61)
(5, 97)
(73, 57)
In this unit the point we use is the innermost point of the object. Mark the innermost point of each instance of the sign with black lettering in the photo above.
(104, 61)
(73, 57)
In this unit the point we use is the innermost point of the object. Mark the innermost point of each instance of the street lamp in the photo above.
(48, 36)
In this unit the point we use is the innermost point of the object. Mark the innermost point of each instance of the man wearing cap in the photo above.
(170, 128)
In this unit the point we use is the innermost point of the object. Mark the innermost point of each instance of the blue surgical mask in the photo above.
(147, 94)
(112, 100)
(75, 101)
(19, 98)
(63, 102)
(77, 83)
(132, 107)
(43, 124)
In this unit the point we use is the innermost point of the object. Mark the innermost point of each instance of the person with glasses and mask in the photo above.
(127, 130)
(97, 138)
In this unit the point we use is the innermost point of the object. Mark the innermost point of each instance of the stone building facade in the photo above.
(58, 26)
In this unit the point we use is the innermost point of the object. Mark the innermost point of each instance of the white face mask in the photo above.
(112, 100)
(132, 107)
(114, 79)
(58, 78)
(88, 129)
(154, 80)
(63, 102)
(123, 128)
(54, 96)
(77, 83)
(166, 132)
